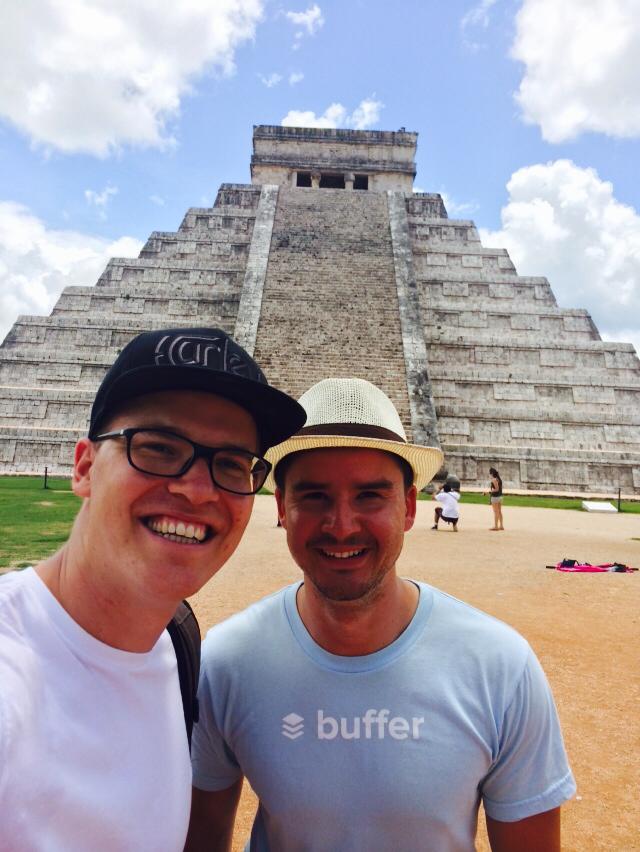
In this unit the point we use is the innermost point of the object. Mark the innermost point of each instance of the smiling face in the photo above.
(346, 512)
(143, 535)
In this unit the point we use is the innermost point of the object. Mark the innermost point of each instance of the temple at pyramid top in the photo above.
(334, 159)
(328, 264)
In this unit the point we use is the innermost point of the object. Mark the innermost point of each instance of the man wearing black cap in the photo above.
(93, 748)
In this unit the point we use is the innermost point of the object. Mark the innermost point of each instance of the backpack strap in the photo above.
(185, 635)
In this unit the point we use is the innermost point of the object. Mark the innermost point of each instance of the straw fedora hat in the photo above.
(355, 413)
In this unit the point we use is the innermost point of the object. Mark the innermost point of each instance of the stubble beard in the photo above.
(342, 591)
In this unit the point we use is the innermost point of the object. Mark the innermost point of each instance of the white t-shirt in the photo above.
(449, 500)
(93, 746)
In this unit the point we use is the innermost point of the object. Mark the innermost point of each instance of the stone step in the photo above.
(468, 261)
(545, 325)
(329, 294)
(48, 407)
(185, 249)
(84, 332)
(546, 395)
(26, 451)
(427, 204)
(535, 373)
(514, 410)
(533, 468)
(508, 293)
(161, 270)
(561, 351)
(431, 231)
(237, 195)
(472, 432)
(207, 219)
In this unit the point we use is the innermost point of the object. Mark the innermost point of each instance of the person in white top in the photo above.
(448, 510)
(93, 745)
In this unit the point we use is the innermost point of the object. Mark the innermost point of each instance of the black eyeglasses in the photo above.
(163, 453)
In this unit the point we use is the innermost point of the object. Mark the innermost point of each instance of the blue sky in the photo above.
(115, 117)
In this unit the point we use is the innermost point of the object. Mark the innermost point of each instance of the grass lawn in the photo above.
(35, 522)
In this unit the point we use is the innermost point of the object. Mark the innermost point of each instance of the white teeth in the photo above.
(346, 555)
(178, 531)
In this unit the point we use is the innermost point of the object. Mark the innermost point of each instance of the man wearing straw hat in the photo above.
(370, 712)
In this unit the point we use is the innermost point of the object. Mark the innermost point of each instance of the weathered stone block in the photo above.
(514, 391)
(454, 426)
(589, 393)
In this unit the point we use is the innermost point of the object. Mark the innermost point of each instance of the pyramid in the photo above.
(328, 264)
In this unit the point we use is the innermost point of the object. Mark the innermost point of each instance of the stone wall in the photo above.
(51, 366)
(330, 306)
(379, 284)
(519, 383)
(387, 158)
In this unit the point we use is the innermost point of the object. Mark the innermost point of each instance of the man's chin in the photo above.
(347, 590)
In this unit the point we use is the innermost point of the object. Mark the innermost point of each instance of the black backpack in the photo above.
(185, 635)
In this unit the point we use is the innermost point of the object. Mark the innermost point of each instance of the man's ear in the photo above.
(281, 513)
(83, 458)
(410, 499)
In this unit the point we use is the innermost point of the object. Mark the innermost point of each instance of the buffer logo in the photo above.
(293, 726)
(374, 724)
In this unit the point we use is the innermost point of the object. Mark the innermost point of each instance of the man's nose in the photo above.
(196, 484)
(341, 520)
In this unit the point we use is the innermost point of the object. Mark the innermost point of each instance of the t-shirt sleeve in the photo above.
(213, 762)
(531, 773)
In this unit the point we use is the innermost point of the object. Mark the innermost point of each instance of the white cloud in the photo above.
(366, 114)
(36, 263)
(295, 77)
(100, 200)
(270, 81)
(478, 15)
(158, 200)
(93, 75)
(582, 66)
(564, 222)
(310, 21)
(476, 18)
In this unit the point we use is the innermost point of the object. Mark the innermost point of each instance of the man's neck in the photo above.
(111, 618)
(357, 628)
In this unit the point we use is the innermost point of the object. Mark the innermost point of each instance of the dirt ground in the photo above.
(583, 627)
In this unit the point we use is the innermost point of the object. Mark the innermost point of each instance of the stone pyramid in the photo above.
(328, 264)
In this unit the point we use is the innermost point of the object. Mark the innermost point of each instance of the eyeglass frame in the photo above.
(200, 451)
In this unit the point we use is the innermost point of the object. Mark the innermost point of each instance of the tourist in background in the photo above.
(448, 510)
(495, 490)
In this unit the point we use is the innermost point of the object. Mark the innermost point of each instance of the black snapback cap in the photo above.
(202, 359)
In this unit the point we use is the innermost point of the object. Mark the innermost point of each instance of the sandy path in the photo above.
(584, 629)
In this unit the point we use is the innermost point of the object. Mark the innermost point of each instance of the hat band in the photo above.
(352, 430)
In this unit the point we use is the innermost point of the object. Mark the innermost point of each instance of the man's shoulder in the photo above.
(474, 632)
(16, 601)
(252, 626)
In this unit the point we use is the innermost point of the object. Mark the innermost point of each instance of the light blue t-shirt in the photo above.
(389, 751)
